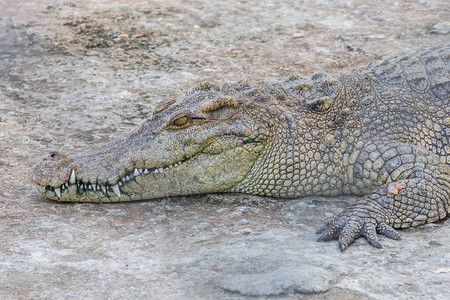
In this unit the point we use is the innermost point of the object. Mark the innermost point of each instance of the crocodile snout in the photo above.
(52, 170)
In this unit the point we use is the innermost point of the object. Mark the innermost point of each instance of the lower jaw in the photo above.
(132, 191)
(71, 194)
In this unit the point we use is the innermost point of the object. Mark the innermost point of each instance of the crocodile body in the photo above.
(380, 132)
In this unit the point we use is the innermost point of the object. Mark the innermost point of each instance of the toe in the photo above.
(388, 231)
(370, 234)
(331, 231)
(350, 232)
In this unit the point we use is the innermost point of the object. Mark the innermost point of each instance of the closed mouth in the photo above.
(105, 188)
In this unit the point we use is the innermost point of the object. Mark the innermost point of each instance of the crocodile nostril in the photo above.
(55, 157)
(52, 155)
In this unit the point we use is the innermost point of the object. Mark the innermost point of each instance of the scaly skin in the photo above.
(381, 132)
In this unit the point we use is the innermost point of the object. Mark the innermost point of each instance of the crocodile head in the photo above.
(208, 141)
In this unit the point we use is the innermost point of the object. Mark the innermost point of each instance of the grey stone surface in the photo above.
(441, 28)
(304, 279)
(78, 73)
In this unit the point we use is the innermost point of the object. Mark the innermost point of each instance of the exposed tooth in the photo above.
(58, 192)
(97, 186)
(128, 178)
(140, 170)
(116, 190)
(136, 172)
(123, 179)
(145, 171)
(156, 171)
(73, 179)
(120, 183)
(160, 170)
(103, 189)
(175, 165)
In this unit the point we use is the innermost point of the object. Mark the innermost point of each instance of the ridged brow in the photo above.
(217, 103)
(162, 106)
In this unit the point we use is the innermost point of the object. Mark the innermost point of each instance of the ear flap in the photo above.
(319, 105)
(316, 94)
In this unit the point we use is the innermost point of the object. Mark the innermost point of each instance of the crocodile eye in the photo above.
(181, 121)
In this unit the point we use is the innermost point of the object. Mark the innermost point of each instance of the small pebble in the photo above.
(441, 28)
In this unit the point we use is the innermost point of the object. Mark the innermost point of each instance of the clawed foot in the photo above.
(358, 220)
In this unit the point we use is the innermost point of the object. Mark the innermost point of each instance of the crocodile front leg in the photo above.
(417, 195)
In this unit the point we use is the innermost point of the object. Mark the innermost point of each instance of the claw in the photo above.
(324, 225)
(327, 236)
(344, 241)
(342, 247)
(329, 230)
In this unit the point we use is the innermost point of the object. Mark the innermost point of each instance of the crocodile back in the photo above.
(407, 100)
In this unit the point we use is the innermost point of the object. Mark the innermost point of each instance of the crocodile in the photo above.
(380, 132)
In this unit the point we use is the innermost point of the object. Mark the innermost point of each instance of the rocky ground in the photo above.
(79, 73)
